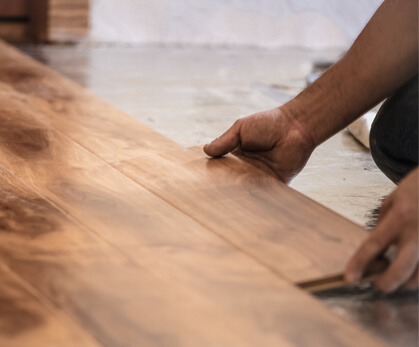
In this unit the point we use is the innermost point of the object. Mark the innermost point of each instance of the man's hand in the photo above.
(271, 140)
(397, 225)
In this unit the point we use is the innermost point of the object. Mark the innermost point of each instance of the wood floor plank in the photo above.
(97, 126)
(26, 321)
(139, 272)
(116, 300)
(283, 229)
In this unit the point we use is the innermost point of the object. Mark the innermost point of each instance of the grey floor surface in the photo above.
(192, 95)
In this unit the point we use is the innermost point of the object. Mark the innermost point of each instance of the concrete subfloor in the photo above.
(192, 95)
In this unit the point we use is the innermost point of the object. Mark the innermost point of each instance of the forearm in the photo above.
(384, 57)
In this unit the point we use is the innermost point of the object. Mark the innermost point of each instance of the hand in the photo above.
(271, 140)
(397, 225)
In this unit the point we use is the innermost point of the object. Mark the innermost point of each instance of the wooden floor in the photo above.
(113, 235)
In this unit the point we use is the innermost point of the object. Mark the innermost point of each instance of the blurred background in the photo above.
(261, 23)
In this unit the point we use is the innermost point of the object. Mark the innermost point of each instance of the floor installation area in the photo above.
(124, 233)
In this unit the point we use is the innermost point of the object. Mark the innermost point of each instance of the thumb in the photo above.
(225, 143)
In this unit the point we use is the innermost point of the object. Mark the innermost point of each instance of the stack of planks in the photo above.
(113, 235)
(68, 20)
(44, 20)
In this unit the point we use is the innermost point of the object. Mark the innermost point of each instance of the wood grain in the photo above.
(283, 229)
(119, 302)
(66, 106)
(68, 20)
(27, 321)
(129, 267)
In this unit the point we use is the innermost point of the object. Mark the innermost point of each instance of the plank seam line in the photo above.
(226, 240)
(110, 165)
(85, 227)
(295, 286)
(88, 229)
(134, 261)
(296, 192)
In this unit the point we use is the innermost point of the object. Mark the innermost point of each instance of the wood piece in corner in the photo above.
(68, 20)
(71, 109)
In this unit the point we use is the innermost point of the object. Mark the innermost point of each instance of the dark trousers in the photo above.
(394, 133)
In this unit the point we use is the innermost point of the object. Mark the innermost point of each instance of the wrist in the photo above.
(297, 128)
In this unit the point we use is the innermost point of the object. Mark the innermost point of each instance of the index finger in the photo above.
(226, 142)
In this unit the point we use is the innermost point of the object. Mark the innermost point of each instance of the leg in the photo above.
(394, 133)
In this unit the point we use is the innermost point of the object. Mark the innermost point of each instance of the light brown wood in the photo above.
(281, 228)
(27, 321)
(44, 20)
(13, 20)
(116, 300)
(68, 20)
(95, 125)
(128, 266)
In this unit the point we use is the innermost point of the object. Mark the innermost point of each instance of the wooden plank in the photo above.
(283, 229)
(55, 20)
(325, 283)
(117, 301)
(159, 278)
(68, 20)
(27, 321)
(97, 126)
(13, 8)
(13, 31)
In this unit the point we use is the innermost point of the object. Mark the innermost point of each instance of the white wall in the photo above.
(263, 23)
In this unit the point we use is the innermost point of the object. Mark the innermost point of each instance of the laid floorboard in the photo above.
(26, 321)
(119, 302)
(97, 126)
(130, 267)
(283, 229)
